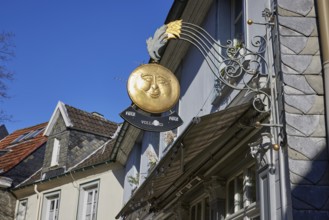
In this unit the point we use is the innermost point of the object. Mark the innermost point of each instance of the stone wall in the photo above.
(7, 205)
(304, 109)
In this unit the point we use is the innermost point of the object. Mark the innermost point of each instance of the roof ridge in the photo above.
(91, 114)
(88, 122)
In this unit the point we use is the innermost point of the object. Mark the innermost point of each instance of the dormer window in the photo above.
(55, 154)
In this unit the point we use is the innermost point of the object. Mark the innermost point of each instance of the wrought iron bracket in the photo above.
(269, 17)
(233, 65)
(236, 66)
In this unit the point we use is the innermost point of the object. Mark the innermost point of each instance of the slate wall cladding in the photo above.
(304, 109)
(27, 167)
(59, 131)
(59, 126)
(80, 145)
(75, 145)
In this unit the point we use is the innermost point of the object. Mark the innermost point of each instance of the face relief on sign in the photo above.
(153, 88)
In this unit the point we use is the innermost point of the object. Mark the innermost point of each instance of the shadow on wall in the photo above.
(309, 179)
(119, 175)
(191, 65)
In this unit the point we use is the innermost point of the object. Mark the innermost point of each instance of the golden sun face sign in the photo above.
(153, 88)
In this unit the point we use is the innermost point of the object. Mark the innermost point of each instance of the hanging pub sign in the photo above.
(154, 90)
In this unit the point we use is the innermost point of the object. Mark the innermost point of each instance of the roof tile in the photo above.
(91, 123)
(16, 152)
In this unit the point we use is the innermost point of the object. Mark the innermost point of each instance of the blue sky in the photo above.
(80, 52)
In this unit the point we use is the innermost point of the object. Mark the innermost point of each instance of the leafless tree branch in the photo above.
(7, 53)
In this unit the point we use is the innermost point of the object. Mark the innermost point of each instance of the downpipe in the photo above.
(322, 7)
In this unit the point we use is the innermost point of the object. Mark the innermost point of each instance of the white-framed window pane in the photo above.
(21, 210)
(91, 203)
(55, 153)
(88, 201)
(53, 211)
(242, 194)
(238, 195)
(50, 208)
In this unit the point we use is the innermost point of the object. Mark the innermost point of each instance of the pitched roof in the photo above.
(20, 144)
(81, 120)
(90, 122)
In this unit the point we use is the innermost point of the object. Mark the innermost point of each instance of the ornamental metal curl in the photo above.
(233, 64)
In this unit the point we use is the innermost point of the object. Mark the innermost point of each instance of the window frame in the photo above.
(28, 135)
(249, 208)
(34, 133)
(202, 201)
(46, 205)
(19, 207)
(235, 19)
(84, 189)
(55, 152)
(21, 137)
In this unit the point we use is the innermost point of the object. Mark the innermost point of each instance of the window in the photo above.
(237, 20)
(3, 152)
(200, 210)
(34, 133)
(236, 33)
(88, 201)
(50, 206)
(55, 154)
(21, 210)
(28, 135)
(241, 195)
(20, 138)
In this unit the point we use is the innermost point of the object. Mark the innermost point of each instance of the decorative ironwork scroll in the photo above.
(233, 64)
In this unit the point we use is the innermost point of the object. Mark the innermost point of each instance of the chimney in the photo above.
(97, 114)
(3, 131)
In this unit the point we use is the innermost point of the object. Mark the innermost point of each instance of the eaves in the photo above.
(193, 11)
(205, 137)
